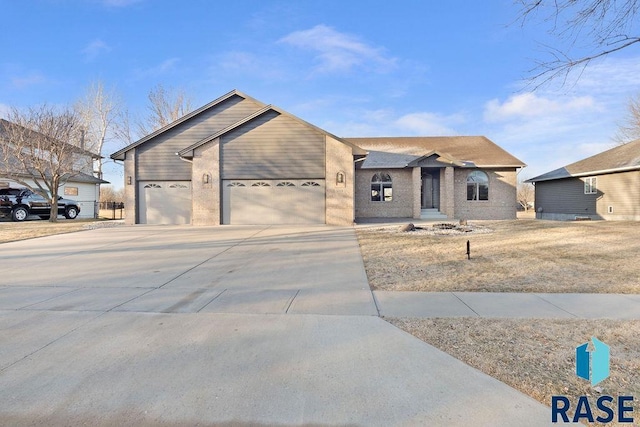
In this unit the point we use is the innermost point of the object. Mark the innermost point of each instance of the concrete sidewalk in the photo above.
(221, 326)
(516, 305)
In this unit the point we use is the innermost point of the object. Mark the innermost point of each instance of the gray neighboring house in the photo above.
(237, 160)
(604, 186)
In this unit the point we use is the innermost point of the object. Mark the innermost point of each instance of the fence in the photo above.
(112, 210)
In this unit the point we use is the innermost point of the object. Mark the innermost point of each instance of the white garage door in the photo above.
(294, 201)
(164, 202)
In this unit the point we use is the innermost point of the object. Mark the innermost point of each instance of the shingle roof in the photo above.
(398, 152)
(622, 158)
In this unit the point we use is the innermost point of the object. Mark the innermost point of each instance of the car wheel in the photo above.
(71, 213)
(20, 214)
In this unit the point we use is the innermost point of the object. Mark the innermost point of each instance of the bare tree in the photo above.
(526, 194)
(110, 194)
(165, 106)
(101, 113)
(630, 129)
(590, 29)
(39, 148)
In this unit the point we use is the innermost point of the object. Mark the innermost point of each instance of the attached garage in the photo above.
(164, 202)
(284, 201)
(237, 160)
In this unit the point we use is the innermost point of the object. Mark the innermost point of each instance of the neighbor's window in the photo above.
(477, 186)
(381, 188)
(590, 185)
(70, 191)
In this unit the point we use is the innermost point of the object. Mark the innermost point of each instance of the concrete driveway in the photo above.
(220, 326)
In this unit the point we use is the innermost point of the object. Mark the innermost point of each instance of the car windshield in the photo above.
(10, 191)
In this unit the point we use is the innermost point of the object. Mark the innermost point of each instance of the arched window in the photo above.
(381, 188)
(477, 186)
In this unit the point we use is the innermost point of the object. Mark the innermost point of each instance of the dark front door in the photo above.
(427, 192)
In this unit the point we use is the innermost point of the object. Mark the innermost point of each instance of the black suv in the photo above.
(19, 203)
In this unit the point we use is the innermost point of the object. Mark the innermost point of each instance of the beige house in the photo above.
(239, 161)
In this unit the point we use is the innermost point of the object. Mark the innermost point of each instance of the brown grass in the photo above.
(13, 231)
(537, 357)
(518, 256)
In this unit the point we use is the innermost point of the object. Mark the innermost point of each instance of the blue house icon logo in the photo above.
(593, 365)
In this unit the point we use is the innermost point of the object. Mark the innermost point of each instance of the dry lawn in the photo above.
(13, 231)
(517, 256)
(537, 357)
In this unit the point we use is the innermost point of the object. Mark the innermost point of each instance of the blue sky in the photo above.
(354, 68)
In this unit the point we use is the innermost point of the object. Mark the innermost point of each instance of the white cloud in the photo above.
(385, 122)
(429, 124)
(26, 80)
(530, 105)
(166, 66)
(4, 110)
(94, 49)
(338, 52)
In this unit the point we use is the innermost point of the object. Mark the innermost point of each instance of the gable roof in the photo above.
(188, 152)
(119, 155)
(618, 159)
(401, 152)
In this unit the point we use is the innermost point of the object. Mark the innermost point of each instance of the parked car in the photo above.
(19, 203)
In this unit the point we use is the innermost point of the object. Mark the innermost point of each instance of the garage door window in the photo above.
(236, 184)
(152, 186)
(261, 184)
(310, 184)
(285, 184)
(381, 188)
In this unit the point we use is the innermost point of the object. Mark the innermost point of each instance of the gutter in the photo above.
(590, 173)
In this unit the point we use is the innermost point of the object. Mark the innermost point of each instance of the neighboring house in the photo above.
(604, 186)
(82, 187)
(239, 161)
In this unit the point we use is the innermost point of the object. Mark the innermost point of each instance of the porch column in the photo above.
(447, 200)
(416, 179)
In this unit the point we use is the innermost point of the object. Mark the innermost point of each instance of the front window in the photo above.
(381, 188)
(477, 186)
(590, 185)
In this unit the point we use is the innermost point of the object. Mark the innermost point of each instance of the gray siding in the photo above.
(273, 146)
(157, 159)
(565, 196)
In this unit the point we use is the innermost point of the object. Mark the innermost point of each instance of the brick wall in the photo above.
(130, 190)
(339, 196)
(502, 196)
(206, 196)
(400, 207)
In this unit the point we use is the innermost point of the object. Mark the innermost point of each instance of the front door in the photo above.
(427, 192)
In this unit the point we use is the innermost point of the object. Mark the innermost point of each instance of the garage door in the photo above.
(295, 201)
(164, 202)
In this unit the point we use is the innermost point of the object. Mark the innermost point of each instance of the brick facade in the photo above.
(502, 196)
(402, 204)
(206, 195)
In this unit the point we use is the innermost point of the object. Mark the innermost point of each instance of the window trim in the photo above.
(476, 186)
(591, 185)
(380, 182)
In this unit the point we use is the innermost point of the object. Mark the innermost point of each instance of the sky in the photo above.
(352, 67)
